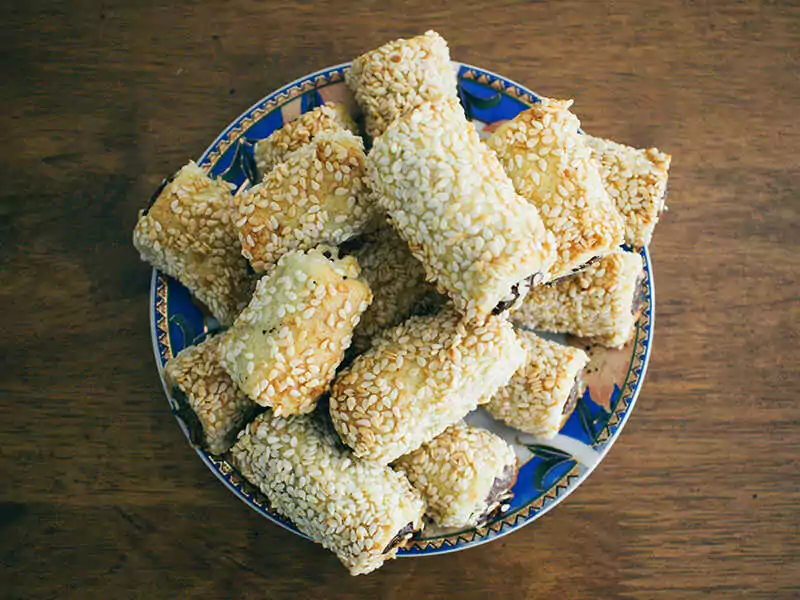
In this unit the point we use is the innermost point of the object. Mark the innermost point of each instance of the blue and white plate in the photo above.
(551, 469)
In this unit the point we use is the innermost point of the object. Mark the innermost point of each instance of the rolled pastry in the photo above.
(284, 348)
(419, 378)
(449, 198)
(316, 195)
(211, 405)
(299, 132)
(535, 398)
(601, 303)
(465, 474)
(392, 79)
(397, 281)
(636, 180)
(360, 510)
(552, 167)
(188, 233)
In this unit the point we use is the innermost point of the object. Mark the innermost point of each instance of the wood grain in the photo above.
(101, 496)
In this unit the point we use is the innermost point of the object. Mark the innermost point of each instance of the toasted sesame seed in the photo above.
(428, 390)
(350, 506)
(267, 351)
(456, 473)
(188, 234)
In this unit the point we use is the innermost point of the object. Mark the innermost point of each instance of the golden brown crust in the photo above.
(419, 378)
(354, 508)
(397, 281)
(317, 195)
(284, 348)
(299, 132)
(449, 198)
(534, 399)
(595, 303)
(551, 166)
(396, 77)
(220, 408)
(188, 234)
(636, 179)
(456, 473)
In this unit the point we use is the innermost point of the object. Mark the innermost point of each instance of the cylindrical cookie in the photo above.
(551, 167)
(419, 378)
(188, 233)
(360, 510)
(210, 404)
(396, 77)
(600, 303)
(284, 348)
(636, 180)
(534, 399)
(449, 198)
(299, 132)
(316, 195)
(465, 474)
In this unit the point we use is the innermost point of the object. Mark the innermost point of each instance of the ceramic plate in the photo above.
(550, 469)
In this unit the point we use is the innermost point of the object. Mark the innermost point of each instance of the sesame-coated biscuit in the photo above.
(447, 195)
(396, 77)
(299, 132)
(360, 510)
(419, 378)
(284, 348)
(397, 281)
(221, 410)
(551, 167)
(464, 474)
(600, 303)
(188, 233)
(534, 399)
(317, 195)
(636, 180)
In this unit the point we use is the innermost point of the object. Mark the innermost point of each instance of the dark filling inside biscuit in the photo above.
(518, 289)
(164, 183)
(499, 492)
(400, 538)
(579, 268)
(185, 413)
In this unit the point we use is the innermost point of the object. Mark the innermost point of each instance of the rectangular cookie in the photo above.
(394, 78)
(537, 395)
(451, 201)
(317, 195)
(464, 474)
(636, 180)
(211, 405)
(419, 378)
(601, 303)
(551, 166)
(284, 348)
(299, 132)
(362, 511)
(397, 281)
(188, 234)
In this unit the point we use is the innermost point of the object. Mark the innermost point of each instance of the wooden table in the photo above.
(101, 495)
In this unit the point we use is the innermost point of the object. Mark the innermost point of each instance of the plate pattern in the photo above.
(550, 470)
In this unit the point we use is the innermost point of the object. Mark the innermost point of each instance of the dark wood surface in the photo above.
(101, 496)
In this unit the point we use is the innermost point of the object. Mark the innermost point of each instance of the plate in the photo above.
(550, 470)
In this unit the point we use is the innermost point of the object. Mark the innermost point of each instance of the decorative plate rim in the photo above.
(506, 523)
